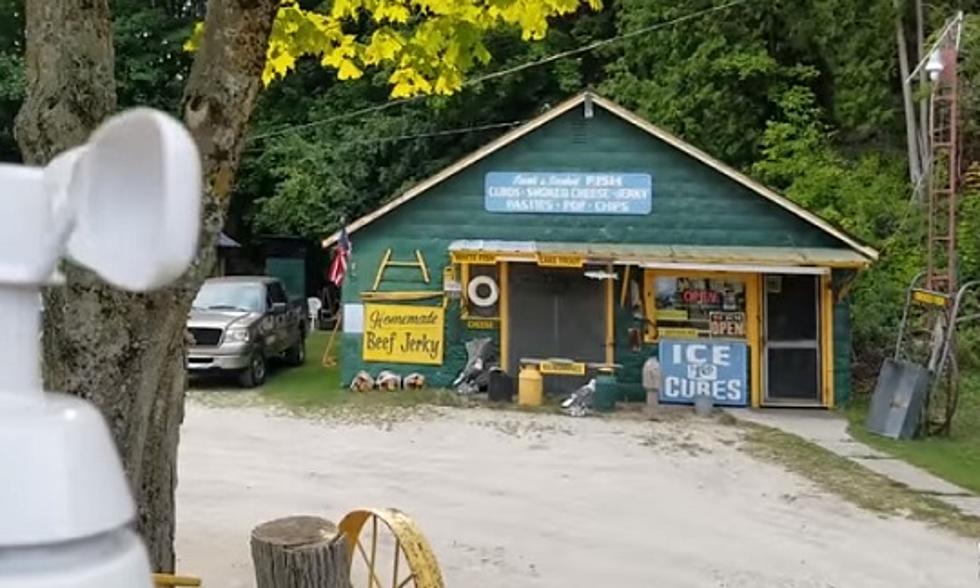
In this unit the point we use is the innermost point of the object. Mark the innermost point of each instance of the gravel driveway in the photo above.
(516, 500)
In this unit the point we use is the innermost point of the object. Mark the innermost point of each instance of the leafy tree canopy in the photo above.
(430, 44)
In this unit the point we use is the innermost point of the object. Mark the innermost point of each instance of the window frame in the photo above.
(651, 333)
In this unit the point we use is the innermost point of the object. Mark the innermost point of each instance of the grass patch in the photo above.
(311, 384)
(314, 388)
(852, 481)
(955, 458)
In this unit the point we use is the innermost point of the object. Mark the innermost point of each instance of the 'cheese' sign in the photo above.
(395, 333)
(693, 368)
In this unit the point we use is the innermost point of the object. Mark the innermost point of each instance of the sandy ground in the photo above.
(514, 500)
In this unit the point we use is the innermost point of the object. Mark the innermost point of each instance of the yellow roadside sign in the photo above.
(930, 298)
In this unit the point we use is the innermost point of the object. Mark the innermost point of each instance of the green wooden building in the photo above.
(593, 238)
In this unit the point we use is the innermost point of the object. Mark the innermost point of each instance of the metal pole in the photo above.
(915, 164)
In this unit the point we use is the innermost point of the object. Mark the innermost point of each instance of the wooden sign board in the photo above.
(560, 260)
(474, 257)
(395, 333)
(678, 332)
(562, 368)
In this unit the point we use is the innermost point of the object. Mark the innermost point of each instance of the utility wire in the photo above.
(442, 133)
(504, 72)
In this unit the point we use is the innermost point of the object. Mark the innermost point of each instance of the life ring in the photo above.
(473, 290)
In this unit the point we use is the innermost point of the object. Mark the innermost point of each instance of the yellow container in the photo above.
(530, 386)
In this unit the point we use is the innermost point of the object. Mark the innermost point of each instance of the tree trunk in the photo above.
(300, 552)
(125, 351)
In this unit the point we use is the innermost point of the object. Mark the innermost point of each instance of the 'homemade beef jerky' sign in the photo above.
(396, 333)
(693, 368)
(568, 193)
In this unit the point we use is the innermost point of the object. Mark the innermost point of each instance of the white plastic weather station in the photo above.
(127, 206)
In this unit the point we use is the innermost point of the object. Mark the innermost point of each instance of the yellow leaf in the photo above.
(348, 71)
(433, 44)
(193, 43)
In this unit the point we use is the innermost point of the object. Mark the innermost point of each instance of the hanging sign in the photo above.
(692, 368)
(395, 333)
(727, 324)
(568, 193)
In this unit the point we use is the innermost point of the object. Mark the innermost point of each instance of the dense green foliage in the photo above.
(804, 95)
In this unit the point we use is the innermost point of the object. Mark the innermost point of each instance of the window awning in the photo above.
(692, 257)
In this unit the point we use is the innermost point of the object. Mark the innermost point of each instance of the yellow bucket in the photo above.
(530, 386)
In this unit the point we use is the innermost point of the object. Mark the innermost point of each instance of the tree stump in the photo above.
(300, 552)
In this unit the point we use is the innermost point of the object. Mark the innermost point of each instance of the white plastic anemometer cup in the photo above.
(138, 190)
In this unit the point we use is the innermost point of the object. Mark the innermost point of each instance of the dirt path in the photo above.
(513, 500)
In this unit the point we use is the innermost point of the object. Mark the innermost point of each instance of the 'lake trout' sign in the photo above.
(395, 333)
(695, 367)
(568, 193)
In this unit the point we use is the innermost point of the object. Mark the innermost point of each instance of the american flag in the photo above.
(338, 267)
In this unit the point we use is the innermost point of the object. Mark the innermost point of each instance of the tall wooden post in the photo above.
(300, 552)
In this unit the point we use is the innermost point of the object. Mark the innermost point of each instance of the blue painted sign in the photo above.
(568, 193)
(695, 367)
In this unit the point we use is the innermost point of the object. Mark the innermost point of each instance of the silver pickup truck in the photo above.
(239, 323)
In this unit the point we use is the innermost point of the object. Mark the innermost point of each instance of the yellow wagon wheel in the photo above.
(172, 581)
(387, 550)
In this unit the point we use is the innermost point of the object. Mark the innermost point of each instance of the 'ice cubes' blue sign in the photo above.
(568, 193)
(695, 367)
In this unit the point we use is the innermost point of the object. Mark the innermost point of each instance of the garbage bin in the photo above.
(606, 391)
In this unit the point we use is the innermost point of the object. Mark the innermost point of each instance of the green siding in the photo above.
(693, 204)
(842, 342)
(842, 353)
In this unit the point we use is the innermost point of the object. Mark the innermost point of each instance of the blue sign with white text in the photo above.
(695, 367)
(568, 193)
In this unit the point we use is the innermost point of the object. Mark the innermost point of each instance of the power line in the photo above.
(442, 133)
(505, 72)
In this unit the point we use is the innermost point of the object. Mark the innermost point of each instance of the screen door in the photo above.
(556, 313)
(792, 339)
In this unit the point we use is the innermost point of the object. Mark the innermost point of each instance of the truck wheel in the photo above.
(296, 355)
(254, 374)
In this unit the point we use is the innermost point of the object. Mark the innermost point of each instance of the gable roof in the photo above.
(637, 121)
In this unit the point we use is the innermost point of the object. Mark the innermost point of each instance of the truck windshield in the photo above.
(231, 296)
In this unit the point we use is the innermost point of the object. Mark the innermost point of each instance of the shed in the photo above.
(590, 235)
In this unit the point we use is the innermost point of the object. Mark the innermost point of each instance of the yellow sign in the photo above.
(396, 333)
(931, 298)
(478, 257)
(562, 368)
(678, 333)
(559, 260)
(480, 324)
(672, 315)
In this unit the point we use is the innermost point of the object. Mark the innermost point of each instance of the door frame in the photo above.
(818, 343)
(504, 266)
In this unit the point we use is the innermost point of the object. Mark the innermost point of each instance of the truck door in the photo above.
(281, 320)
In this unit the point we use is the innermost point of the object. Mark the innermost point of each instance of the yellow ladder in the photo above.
(387, 262)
